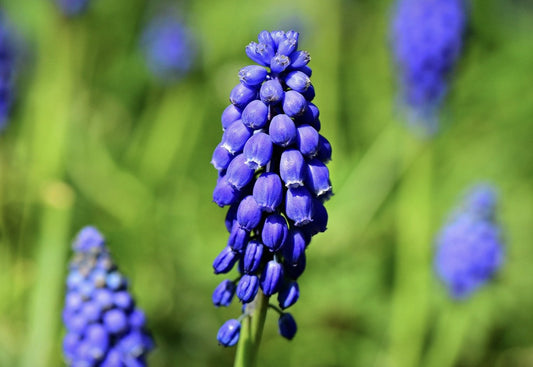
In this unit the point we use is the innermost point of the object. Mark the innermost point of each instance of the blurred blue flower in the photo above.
(104, 327)
(427, 38)
(272, 174)
(7, 69)
(169, 48)
(469, 247)
(72, 8)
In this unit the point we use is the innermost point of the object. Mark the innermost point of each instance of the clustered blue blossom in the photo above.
(104, 326)
(168, 47)
(469, 247)
(7, 70)
(427, 38)
(72, 8)
(273, 176)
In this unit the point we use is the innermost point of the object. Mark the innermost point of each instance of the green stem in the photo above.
(251, 332)
(410, 299)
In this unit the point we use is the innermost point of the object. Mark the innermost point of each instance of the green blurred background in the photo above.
(95, 139)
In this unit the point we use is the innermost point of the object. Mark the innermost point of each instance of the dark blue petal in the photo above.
(324, 149)
(242, 94)
(258, 150)
(271, 92)
(247, 288)
(230, 114)
(225, 261)
(317, 180)
(309, 93)
(295, 247)
(228, 334)
(265, 38)
(252, 75)
(235, 136)
(252, 257)
(294, 104)
(249, 213)
(299, 206)
(238, 173)
(282, 130)
(275, 232)
(307, 140)
(287, 326)
(268, 191)
(223, 294)
(292, 168)
(294, 271)
(288, 294)
(231, 216)
(255, 114)
(271, 277)
(297, 81)
(238, 238)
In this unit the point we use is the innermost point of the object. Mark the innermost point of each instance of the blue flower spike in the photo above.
(427, 39)
(272, 174)
(469, 247)
(8, 55)
(104, 327)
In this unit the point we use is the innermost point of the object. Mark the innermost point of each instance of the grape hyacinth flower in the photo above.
(168, 48)
(104, 326)
(7, 70)
(427, 37)
(469, 247)
(72, 8)
(272, 174)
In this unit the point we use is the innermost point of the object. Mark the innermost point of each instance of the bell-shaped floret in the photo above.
(282, 130)
(275, 232)
(242, 94)
(299, 206)
(252, 257)
(223, 294)
(247, 288)
(292, 168)
(287, 326)
(294, 104)
(268, 191)
(271, 277)
(288, 294)
(248, 213)
(225, 261)
(255, 114)
(228, 334)
(271, 92)
(258, 150)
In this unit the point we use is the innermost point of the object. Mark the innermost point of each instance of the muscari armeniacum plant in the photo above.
(104, 326)
(469, 247)
(168, 47)
(7, 69)
(272, 174)
(427, 38)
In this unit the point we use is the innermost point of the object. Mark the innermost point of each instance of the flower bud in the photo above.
(299, 59)
(278, 37)
(221, 158)
(294, 271)
(324, 150)
(238, 238)
(258, 150)
(238, 173)
(252, 75)
(252, 257)
(228, 334)
(294, 104)
(223, 293)
(307, 140)
(266, 38)
(225, 261)
(255, 114)
(268, 191)
(115, 321)
(317, 179)
(247, 288)
(224, 193)
(279, 63)
(274, 232)
(271, 92)
(298, 206)
(235, 136)
(271, 278)
(242, 94)
(248, 213)
(292, 168)
(287, 326)
(309, 93)
(288, 294)
(295, 246)
(287, 46)
(230, 114)
(298, 81)
(260, 53)
(282, 130)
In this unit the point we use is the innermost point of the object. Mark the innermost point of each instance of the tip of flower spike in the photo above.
(89, 239)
